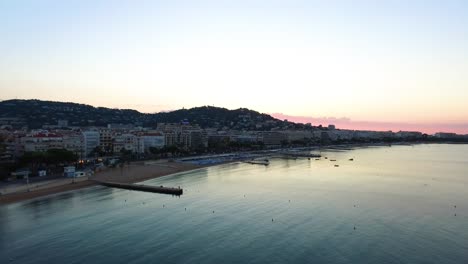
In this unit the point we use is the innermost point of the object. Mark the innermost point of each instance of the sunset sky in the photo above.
(387, 64)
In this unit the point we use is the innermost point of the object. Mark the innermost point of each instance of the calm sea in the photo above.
(399, 204)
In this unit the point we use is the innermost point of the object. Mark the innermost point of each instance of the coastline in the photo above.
(130, 173)
(141, 171)
(23, 196)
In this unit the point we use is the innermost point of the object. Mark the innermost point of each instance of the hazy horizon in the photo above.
(366, 65)
(340, 123)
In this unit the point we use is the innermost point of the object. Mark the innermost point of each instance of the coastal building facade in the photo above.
(91, 140)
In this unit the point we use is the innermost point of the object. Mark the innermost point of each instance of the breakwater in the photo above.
(144, 188)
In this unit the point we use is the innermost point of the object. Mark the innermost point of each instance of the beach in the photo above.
(129, 173)
(139, 171)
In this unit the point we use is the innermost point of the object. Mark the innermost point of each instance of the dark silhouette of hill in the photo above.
(36, 113)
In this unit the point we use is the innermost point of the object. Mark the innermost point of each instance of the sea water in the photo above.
(399, 204)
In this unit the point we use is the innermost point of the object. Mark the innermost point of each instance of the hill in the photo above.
(36, 113)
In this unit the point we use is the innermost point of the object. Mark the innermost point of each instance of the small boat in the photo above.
(336, 165)
(351, 159)
(333, 160)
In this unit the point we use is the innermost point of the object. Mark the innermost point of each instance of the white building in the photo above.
(127, 142)
(293, 135)
(74, 142)
(446, 135)
(150, 140)
(90, 141)
(408, 134)
(41, 141)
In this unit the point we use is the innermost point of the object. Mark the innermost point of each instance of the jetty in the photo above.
(258, 162)
(143, 188)
(295, 155)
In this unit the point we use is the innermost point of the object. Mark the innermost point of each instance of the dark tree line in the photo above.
(50, 157)
(37, 113)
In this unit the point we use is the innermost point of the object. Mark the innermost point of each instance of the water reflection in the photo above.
(40, 207)
(4, 226)
(375, 209)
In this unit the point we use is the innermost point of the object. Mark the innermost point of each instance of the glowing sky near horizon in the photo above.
(385, 61)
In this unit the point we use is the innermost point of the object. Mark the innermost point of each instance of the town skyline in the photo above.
(339, 123)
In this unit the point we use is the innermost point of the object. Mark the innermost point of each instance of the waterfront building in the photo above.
(12, 147)
(150, 140)
(446, 135)
(74, 142)
(128, 142)
(408, 135)
(91, 140)
(183, 135)
(106, 140)
(295, 135)
(41, 140)
(272, 138)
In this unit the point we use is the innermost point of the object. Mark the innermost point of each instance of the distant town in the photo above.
(32, 149)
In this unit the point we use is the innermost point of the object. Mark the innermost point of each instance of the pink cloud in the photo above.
(346, 123)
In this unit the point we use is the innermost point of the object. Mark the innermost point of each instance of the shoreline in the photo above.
(23, 196)
(130, 173)
(141, 171)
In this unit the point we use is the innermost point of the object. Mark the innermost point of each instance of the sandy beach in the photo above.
(130, 173)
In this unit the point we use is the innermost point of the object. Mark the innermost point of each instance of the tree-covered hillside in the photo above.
(36, 113)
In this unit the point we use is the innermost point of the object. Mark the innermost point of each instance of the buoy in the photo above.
(163, 205)
(272, 219)
(185, 209)
(213, 212)
(354, 228)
